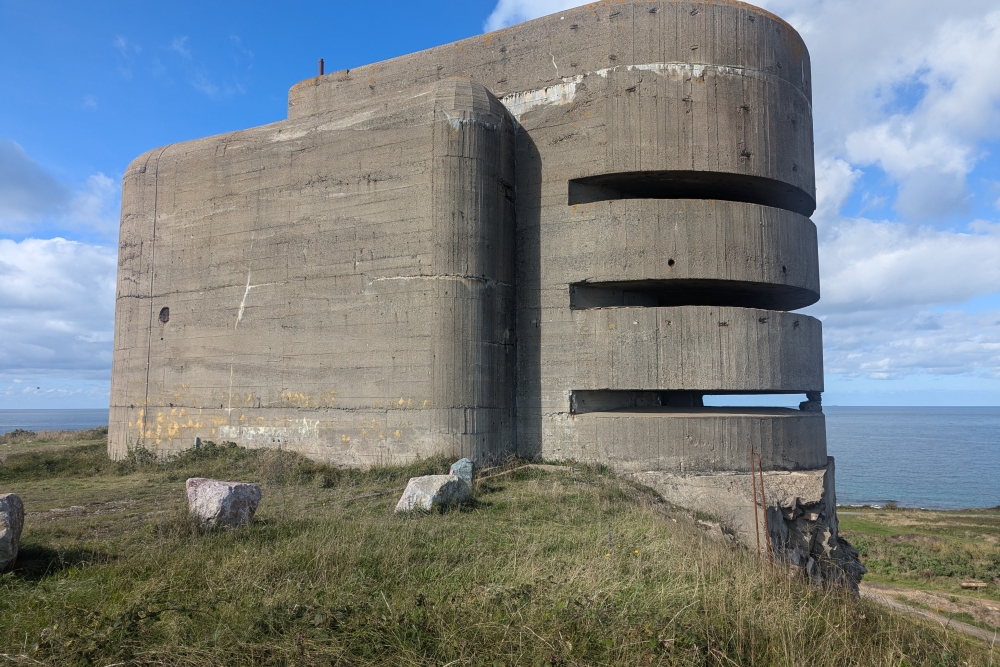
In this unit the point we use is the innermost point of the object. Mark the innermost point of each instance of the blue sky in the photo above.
(906, 107)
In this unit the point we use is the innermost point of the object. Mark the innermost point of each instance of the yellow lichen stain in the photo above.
(378, 405)
(374, 423)
(427, 403)
(409, 403)
(381, 434)
(397, 433)
(488, 39)
(295, 398)
(172, 429)
(243, 419)
(611, 325)
(212, 432)
(219, 421)
(345, 438)
(364, 432)
(159, 417)
(250, 398)
(260, 420)
(459, 46)
(402, 400)
(173, 412)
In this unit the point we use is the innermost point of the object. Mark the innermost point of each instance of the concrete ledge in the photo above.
(756, 250)
(689, 441)
(698, 348)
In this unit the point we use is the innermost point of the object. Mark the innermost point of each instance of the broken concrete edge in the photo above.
(798, 528)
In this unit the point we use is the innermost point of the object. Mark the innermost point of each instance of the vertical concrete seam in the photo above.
(152, 273)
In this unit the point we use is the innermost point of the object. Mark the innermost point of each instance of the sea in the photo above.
(936, 458)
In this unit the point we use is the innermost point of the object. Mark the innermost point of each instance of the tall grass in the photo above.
(570, 567)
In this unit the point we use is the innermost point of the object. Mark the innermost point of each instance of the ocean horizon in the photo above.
(927, 457)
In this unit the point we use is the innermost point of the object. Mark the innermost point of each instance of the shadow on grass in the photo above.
(35, 563)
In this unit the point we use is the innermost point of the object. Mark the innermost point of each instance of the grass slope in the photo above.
(569, 567)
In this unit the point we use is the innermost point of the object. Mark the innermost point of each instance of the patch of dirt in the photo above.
(983, 611)
(110, 507)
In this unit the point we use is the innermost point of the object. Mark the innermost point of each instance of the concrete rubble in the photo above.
(11, 524)
(217, 503)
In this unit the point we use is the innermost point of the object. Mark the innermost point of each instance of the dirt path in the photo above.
(881, 594)
(949, 516)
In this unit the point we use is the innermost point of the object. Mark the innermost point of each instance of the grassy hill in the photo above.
(564, 566)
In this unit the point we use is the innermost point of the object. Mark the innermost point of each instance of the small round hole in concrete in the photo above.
(164, 315)
(784, 270)
(670, 262)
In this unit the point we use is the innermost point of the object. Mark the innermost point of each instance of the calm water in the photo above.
(51, 420)
(941, 458)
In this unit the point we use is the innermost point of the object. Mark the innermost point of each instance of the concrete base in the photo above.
(801, 514)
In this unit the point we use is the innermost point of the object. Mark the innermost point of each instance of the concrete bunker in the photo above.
(552, 240)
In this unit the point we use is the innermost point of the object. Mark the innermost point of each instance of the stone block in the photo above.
(11, 524)
(430, 491)
(464, 470)
(217, 503)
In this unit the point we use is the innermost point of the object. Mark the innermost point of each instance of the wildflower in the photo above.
(636, 551)
(607, 555)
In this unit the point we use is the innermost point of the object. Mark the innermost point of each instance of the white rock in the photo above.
(11, 523)
(429, 491)
(463, 468)
(217, 503)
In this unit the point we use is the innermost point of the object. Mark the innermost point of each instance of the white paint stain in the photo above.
(457, 122)
(520, 103)
(243, 303)
(299, 428)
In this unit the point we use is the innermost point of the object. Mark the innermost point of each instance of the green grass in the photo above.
(930, 550)
(569, 567)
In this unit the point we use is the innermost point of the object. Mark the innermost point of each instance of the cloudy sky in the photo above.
(906, 108)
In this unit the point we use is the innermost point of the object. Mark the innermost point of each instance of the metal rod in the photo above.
(756, 517)
(321, 67)
(763, 501)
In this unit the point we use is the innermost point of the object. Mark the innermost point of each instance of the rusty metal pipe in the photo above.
(753, 483)
(321, 67)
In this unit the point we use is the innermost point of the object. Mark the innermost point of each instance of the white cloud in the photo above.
(898, 343)
(32, 198)
(867, 265)
(910, 86)
(56, 307)
(509, 12)
(179, 45)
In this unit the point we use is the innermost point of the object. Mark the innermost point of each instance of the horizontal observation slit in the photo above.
(689, 292)
(691, 185)
(617, 400)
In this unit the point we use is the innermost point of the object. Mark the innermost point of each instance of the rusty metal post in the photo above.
(321, 67)
(756, 517)
(767, 524)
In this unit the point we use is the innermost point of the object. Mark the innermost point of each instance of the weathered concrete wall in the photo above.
(341, 285)
(610, 204)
